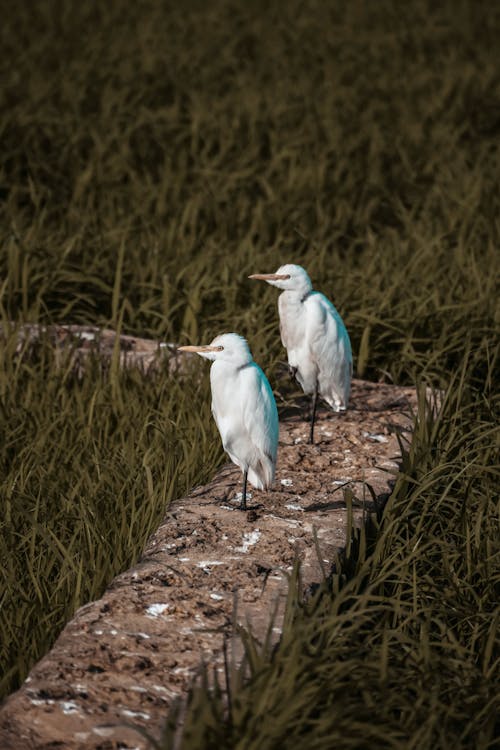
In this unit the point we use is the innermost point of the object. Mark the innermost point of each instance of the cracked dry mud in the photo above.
(124, 658)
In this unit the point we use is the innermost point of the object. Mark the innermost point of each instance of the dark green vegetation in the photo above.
(151, 157)
(87, 468)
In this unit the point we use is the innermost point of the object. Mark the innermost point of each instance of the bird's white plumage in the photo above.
(244, 409)
(315, 337)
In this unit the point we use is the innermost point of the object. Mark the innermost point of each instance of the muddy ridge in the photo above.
(123, 659)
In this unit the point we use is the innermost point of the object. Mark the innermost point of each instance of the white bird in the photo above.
(315, 337)
(244, 409)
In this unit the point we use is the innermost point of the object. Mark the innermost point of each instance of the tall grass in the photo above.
(87, 467)
(153, 155)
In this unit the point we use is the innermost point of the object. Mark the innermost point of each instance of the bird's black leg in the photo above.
(313, 415)
(243, 505)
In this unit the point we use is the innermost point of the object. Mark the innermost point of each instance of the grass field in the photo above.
(151, 157)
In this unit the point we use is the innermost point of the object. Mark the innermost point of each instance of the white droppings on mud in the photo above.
(286, 482)
(69, 707)
(42, 701)
(250, 539)
(289, 521)
(239, 497)
(182, 670)
(342, 481)
(297, 440)
(216, 597)
(376, 437)
(326, 433)
(143, 635)
(207, 564)
(103, 731)
(387, 464)
(98, 632)
(184, 559)
(293, 506)
(322, 532)
(154, 610)
(135, 714)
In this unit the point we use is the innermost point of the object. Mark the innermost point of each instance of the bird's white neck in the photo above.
(295, 297)
(291, 311)
(228, 367)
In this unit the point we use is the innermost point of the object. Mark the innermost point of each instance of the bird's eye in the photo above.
(219, 348)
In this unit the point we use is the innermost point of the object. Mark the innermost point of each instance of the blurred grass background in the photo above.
(152, 156)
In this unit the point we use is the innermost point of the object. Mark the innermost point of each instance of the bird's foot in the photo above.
(240, 500)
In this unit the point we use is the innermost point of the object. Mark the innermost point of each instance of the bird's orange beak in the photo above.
(270, 276)
(200, 348)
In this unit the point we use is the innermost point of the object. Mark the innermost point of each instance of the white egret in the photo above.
(315, 337)
(244, 409)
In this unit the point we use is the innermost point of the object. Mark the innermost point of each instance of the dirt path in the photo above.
(124, 658)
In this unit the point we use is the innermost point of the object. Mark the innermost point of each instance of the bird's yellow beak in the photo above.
(270, 276)
(200, 348)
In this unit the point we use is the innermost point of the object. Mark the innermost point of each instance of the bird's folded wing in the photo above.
(326, 332)
(259, 413)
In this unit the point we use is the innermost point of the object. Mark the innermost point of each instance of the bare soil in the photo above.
(123, 659)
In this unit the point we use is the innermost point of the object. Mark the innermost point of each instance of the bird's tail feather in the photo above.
(261, 475)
